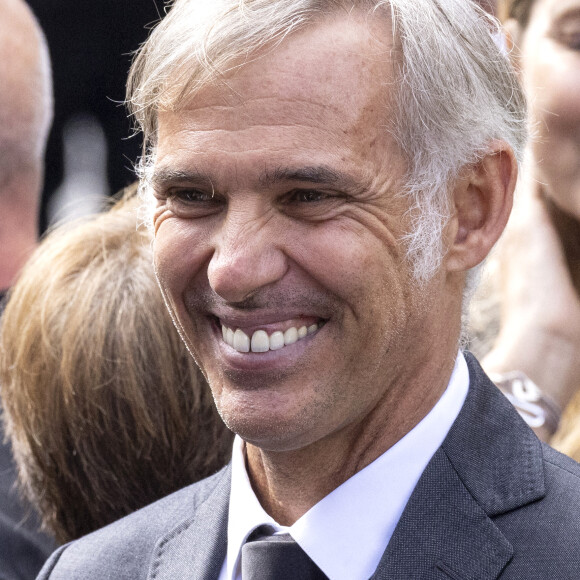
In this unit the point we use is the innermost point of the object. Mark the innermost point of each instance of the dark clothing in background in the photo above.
(90, 44)
(23, 549)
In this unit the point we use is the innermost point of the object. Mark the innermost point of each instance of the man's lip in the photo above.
(260, 335)
(257, 363)
(269, 322)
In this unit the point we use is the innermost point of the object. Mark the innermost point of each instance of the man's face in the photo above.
(277, 209)
(550, 61)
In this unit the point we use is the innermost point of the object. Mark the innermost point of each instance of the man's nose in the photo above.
(247, 256)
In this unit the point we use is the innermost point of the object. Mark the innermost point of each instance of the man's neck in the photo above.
(289, 483)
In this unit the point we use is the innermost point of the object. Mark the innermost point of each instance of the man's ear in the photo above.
(482, 202)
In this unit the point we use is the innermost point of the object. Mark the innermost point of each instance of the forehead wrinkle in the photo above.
(277, 69)
(209, 116)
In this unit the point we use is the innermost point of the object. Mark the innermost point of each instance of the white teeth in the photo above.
(241, 341)
(277, 340)
(291, 336)
(261, 342)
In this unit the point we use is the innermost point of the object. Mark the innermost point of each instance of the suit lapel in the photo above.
(196, 549)
(489, 464)
(443, 533)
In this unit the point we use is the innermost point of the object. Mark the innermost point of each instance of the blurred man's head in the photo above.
(25, 116)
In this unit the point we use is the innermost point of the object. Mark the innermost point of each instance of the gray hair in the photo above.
(455, 92)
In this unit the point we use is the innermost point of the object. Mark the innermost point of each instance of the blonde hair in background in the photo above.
(105, 408)
(567, 437)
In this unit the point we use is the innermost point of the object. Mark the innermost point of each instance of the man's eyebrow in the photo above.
(316, 174)
(166, 176)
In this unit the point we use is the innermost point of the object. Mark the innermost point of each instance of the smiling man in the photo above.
(323, 177)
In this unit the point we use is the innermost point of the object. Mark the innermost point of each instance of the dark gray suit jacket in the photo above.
(492, 503)
(23, 548)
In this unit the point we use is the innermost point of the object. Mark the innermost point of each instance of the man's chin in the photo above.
(270, 422)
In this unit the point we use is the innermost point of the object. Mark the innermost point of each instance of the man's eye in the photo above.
(313, 204)
(191, 196)
(189, 202)
(308, 196)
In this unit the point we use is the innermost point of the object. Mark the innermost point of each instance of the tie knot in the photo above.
(267, 533)
(276, 557)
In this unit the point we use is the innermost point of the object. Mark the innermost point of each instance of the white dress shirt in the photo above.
(347, 531)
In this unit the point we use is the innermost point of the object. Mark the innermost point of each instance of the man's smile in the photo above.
(264, 340)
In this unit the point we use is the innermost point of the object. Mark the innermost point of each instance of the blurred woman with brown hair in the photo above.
(105, 407)
(534, 351)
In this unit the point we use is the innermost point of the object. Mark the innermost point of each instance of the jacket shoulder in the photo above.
(555, 459)
(123, 549)
(545, 534)
(529, 491)
(562, 480)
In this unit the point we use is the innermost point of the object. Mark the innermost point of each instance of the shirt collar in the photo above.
(347, 531)
(245, 511)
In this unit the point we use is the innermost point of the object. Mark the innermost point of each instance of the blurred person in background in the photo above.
(527, 315)
(106, 409)
(90, 154)
(25, 115)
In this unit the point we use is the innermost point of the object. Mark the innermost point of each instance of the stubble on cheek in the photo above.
(277, 421)
(277, 410)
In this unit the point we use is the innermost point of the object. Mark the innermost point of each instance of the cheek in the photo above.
(553, 85)
(555, 95)
(178, 256)
(356, 248)
(364, 271)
